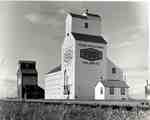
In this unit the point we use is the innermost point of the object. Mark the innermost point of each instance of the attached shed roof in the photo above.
(56, 69)
(115, 83)
(89, 38)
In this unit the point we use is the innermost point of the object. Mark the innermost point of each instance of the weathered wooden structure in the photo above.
(27, 81)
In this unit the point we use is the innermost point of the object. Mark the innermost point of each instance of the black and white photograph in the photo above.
(74, 60)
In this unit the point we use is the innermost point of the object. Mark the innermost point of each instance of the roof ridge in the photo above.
(78, 15)
(84, 16)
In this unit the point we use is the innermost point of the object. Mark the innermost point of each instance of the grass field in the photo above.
(26, 110)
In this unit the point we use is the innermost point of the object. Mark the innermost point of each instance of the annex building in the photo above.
(147, 90)
(85, 73)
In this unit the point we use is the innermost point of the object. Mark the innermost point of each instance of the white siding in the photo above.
(54, 86)
(94, 26)
(98, 95)
(84, 79)
(109, 75)
(68, 24)
(88, 75)
(117, 94)
(69, 43)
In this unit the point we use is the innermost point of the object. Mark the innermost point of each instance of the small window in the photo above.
(86, 25)
(101, 90)
(114, 70)
(122, 91)
(111, 91)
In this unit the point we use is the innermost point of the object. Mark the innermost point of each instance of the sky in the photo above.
(35, 31)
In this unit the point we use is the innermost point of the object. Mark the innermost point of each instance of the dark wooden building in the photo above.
(27, 81)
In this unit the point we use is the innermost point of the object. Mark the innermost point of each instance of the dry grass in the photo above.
(11, 110)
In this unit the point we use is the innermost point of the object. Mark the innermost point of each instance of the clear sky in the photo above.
(35, 31)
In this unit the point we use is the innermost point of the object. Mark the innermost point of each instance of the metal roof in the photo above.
(26, 61)
(94, 15)
(83, 16)
(56, 69)
(89, 38)
(115, 83)
(78, 16)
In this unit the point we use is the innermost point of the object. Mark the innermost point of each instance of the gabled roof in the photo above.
(26, 61)
(89, 38)
(83, 16)
(94, 15)
(115, 83)
(78, 16)
(56, 69)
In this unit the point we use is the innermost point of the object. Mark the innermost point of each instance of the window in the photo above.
(101, 90)
(113, 70)
(122, 91)
(86, 25)
(111, 91)
(91, 54)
